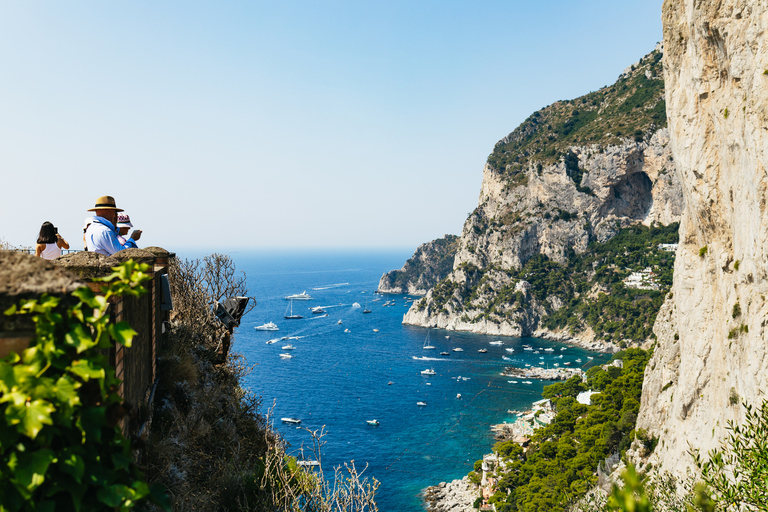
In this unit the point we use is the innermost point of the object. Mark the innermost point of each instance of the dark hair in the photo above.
(47, 234)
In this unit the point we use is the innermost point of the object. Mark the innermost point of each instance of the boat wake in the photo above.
(330, 286)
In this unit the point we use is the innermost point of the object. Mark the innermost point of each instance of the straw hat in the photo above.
(105, 203)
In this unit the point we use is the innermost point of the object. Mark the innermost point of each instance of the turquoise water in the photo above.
(337, 380)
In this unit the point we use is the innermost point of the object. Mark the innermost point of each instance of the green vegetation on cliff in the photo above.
(631, 108)
(587, 291)
(561, 460)
(430, 263)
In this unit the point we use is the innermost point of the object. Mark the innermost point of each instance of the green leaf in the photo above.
(66, 391)
(32, 466)
(33, 415)
(79, 338)
(122, 333)
(114, 495)
(73, 465)
(86, 369)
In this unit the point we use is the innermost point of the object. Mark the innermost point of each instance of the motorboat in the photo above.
(339, 322)
(567, 363)
(390, 383)
(590, 357)
(527, 382)
(291, 316)
(429, 371)
(299, 296)
(445, 353)
(288, 347)
(536, 352)
(272, 341)
(317, 310)
(346, 330)
(458, 395)
(294, 421)
(556, 365)
(429, 383)
(421, 404)
(526, 364)
(458, 349)
(483, 350)
(549, 350)
(375, 423)
(509, 349)
(563, 348)
(506, 358)
(497, 342)
(427, 346)
(578, 360)
(512, 381)
(527, 347)
(269, 326)
(286, 356)
(447, 337)
(375, 330)
(355, 305)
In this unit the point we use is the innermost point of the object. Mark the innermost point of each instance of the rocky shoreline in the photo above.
(456, 496)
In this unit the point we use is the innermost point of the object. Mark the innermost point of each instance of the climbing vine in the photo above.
(61, 446)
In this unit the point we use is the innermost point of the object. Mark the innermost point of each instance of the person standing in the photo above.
(124, 224)
(49, 242)
(101, 235)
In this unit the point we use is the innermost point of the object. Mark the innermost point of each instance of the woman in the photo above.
(49, 242)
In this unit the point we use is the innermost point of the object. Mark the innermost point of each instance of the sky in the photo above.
(262, 125)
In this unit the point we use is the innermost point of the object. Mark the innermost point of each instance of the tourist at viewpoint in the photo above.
(101, 235)
(49, 242)
(124, 224)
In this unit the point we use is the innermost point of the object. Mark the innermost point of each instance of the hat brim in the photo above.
(105, 208)
(124, 225)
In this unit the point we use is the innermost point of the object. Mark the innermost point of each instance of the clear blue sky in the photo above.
(228, 125)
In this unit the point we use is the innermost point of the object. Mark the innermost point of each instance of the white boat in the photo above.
(346, 330)
(355, 305)
(299, 296)
(578, 360)
(527, 382)
(458, 395)
(506, 358)
(563, 348)
(509, 349)
(549, 350)
(375, 423)
(512, 381)
(536, 352)
(429, 371)
(427, 346)
(285, 356)
(291, 316)
(526, 364)
(375, 330)
(541, 362)
(527, 347)
(288, 347)
(458, 349)
(497, 342)
(556, 365)
(339, 322)
(590, 357)
(421, 404)
(447, 337)
(269, 326)
(567, 363)
(272, 341)
(483, 350)
(317, 310)
(294, 421)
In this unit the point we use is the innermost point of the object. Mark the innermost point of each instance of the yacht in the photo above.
(549, 350)
(427, 346)
(285, 356)
(458, 349)
(497, 342)
(578, 360)
(375, 423)
(317, 310)
(299, 296)
(429, 371)
(445, 353)
(269, 326)
(288, 347)
(421, 404)
(291, 316)
(294, 421)
(509, 349)
(483, 350)
(527, 347)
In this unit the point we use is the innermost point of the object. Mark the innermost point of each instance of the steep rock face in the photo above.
(550, 214)
(712, 346)
(430, 263)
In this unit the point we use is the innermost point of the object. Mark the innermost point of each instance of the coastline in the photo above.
(457, 496)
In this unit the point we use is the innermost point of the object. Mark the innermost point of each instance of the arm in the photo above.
(63, 244)
(39, 250)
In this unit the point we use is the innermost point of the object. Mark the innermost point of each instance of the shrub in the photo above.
(736, 265)
(736, 310)
(703, 251)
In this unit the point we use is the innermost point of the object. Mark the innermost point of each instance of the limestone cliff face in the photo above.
(713, 349)
(550, 214)
(430, 263)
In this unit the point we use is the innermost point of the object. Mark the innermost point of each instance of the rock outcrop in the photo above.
(575, 172)
(454, 496)
(430, 263)
(712, 345)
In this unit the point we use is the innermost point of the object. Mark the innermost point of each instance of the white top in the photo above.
(51, 251)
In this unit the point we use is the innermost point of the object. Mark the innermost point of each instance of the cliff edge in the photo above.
(712, 348)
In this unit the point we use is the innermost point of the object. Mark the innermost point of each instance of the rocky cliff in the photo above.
(573, 173)
(712, 347)
(430, 263)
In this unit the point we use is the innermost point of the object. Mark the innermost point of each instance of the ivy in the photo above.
(61, 446)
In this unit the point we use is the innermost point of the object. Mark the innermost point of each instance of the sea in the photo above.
(348, 367)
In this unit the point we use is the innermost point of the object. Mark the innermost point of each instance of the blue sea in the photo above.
(342, 374)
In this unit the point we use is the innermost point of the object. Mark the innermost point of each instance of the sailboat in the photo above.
(291, 316)
(366, 310)
(427, 346)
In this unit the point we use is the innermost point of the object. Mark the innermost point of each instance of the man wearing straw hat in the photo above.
(101, 234)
